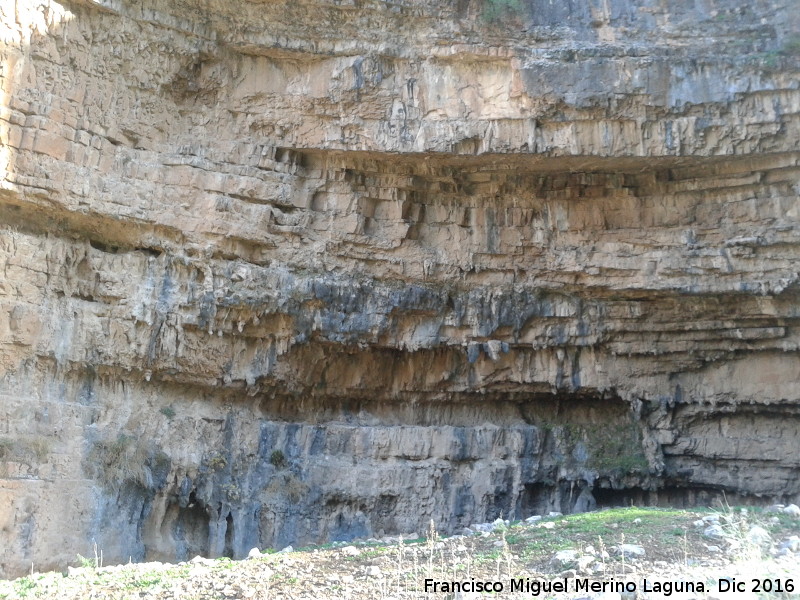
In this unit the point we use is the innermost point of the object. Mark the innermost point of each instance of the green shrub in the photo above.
(29, 449)
(217, 462)
(791, 45)
(6, 448)
(126, 459)
(498, 10)
(88, 563)
(278, 459)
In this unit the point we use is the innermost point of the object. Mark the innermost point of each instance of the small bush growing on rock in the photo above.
(126, 459)
(791, 45)
(278, 459)
(86, 563)
(232, 492)
(497, 10)
(6, 448)
(32, 450)
(217, 463)
(288, 486)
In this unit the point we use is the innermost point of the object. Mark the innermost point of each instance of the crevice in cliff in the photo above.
(191, 528)
(228, 546)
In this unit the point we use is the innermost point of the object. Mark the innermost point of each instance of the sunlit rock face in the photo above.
(289, 272)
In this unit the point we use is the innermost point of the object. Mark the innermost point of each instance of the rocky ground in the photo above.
(732, 553)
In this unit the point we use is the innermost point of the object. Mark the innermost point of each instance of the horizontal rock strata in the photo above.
(290, 272)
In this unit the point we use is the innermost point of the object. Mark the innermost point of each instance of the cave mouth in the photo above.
(670, 496)
(541, 498)
(192, 529)
(535, 499)
(624, 497)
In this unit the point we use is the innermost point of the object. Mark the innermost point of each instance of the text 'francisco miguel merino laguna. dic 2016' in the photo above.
(535, 587)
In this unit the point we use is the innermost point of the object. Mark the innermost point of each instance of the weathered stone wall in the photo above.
(285, 272)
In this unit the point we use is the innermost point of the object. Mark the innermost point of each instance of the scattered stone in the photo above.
(287, 549)
(758, 535)
(792, 510)
(711, 519)
(546, 525)
(776, 508)
(207, 576)
(629, 551)
(198, 571)
(791, 543)
(254, 553)
(564, 558)
(714, 531)
(699, 523)
(555, 513)
(568, 574)
(532, 519)
(583, 563)
(468, 532)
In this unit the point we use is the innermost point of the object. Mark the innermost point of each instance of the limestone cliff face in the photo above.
(285, 272)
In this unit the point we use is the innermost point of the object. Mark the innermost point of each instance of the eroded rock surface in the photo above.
(288, 272)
